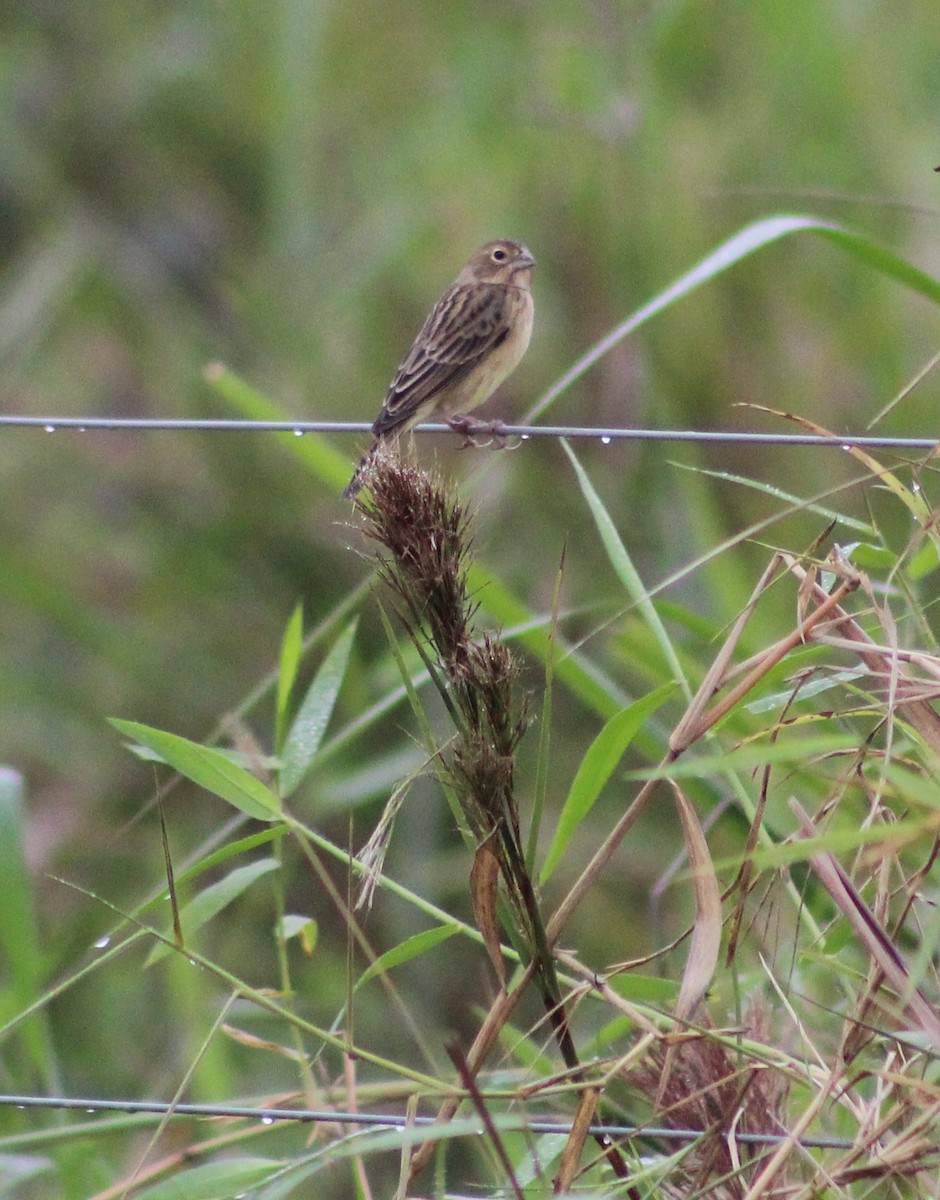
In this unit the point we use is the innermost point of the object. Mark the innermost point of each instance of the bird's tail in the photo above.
(355, 484)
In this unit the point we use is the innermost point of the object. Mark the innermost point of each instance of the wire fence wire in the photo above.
(396, 1121)
(604, 434)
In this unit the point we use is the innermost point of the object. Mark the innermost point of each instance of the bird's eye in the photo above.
(499, 255)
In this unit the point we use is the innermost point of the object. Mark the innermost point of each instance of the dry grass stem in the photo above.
(424, 544)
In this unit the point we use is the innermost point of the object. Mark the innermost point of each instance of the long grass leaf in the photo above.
(706, 931)
(306, 732)
(207, 767)
(214, 1180)
(213, 899)
(597, 766)
(744, 243)
(776, 493)
(328, 465)
(288, 665)
(19, 931)
(626, 572)
(743, 758)
(413, 947)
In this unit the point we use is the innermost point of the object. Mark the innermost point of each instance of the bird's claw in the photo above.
(472, 428)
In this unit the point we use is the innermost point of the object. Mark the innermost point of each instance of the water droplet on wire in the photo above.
(605, 441)
(49, 428)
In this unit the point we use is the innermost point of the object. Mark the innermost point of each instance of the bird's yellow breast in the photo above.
(477, 387)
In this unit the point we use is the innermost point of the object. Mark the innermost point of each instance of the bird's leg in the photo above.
(472, 428)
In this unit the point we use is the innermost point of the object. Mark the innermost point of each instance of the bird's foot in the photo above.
(472, 429)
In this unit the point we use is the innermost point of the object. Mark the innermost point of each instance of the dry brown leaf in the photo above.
(580, 1128)
(706, 932)
(882, 663)
(484, 887)
(877, 941)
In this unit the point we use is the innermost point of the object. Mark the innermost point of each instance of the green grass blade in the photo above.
(799, 751)
(744, 243)
(19, 932)
(306, 733)
(543, 767)
(328, 465)
(597, 766)
(207, 767)
(797, 503)
(412, 947)
(626, 572)
(289, 663)
(214, 1180)
(212, 900)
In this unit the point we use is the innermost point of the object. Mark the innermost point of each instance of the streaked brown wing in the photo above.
(467, 323)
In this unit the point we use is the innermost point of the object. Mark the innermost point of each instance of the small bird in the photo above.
(473, 338)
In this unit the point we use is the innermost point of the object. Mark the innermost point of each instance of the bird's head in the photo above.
(499, 262)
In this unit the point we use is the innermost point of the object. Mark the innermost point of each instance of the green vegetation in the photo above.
(726, 788)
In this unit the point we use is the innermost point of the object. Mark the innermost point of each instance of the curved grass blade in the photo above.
(627, 573)
(796, 503)
(706, 931)
(412, 947)
(751, 756)
(597, 766)
(214, 1180)
(748, 240)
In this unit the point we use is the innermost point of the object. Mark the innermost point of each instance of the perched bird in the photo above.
(473, 338)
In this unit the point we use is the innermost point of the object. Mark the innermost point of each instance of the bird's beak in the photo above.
(524, 261)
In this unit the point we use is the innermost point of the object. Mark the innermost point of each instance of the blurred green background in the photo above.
(286, 188)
